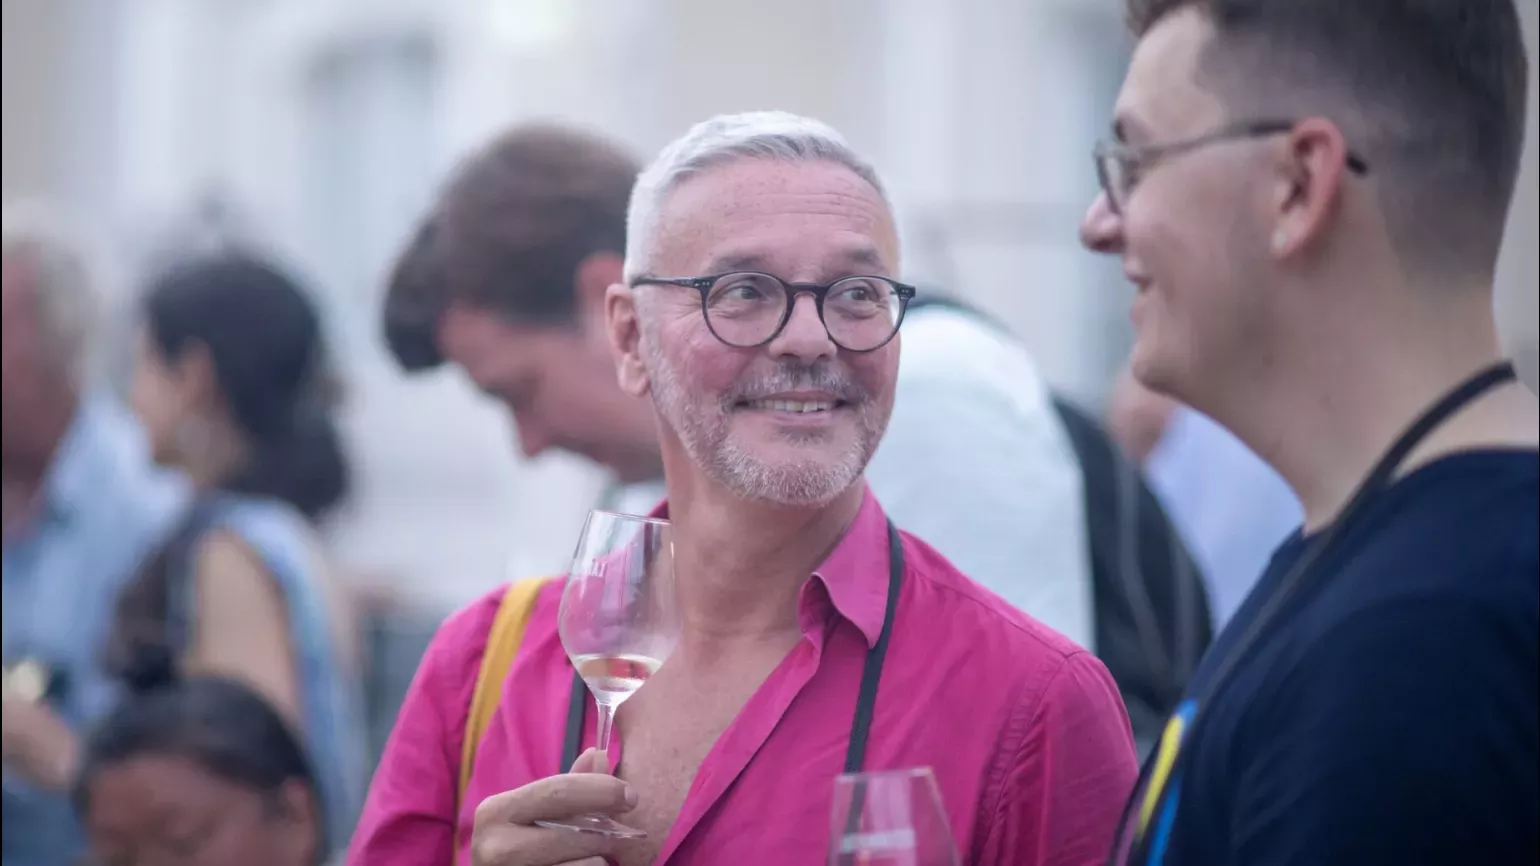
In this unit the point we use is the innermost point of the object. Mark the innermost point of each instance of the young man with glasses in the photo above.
(760, 311)
(1309, 196)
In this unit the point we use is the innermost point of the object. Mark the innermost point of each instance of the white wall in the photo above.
(1519, 269)
(329, 122)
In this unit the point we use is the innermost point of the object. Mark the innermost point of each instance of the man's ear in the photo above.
(591, 283)
(624, 328)
(295, 808)
(195, 368)
(1310, 176)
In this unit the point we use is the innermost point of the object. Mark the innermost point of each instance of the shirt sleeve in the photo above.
(1407, 735)
(1067, 782)
(986, 474)
(409, 817)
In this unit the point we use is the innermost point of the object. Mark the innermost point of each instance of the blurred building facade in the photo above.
(322, 127)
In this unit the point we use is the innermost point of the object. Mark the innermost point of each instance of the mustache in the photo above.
(796, 376)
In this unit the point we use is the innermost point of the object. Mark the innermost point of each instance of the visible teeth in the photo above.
(790, 406)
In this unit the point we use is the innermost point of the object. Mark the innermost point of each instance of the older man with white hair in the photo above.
(760, 312)
(82, 506)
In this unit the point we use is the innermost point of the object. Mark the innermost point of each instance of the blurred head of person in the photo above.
(760, 310)
(48, 312)
(201, 772)
(230, 383)
(506, 279)
(1298, 186)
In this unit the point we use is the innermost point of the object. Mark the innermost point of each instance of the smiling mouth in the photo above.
(796, 407)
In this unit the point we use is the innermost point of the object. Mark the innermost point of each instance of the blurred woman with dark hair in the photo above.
(229, 387)
(201, 772)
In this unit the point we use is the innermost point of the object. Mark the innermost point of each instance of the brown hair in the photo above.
(512, 225)
(1432, 92)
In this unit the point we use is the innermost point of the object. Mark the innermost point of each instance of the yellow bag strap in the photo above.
(503, 642)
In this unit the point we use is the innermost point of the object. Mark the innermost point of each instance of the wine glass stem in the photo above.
(606, 724)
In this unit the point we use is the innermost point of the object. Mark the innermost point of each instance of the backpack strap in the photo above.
(503, 641)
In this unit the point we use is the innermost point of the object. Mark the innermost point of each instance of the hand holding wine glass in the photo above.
(507, 828)
(618, 622)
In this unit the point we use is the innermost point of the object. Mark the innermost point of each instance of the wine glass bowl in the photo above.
(618, 622)
(890, 818)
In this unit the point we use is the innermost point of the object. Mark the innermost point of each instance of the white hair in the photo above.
(724, 138)
(67, 305)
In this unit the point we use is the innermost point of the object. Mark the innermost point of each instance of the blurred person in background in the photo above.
(1309, 196)
(203, 772)
(230, 384)
(1232, 509)
(789, 572)
(506, 278)
(83, 504)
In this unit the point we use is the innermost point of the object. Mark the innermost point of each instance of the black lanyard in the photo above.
(1303, 573)
(866, 699)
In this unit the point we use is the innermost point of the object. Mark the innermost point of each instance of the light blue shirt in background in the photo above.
(104, 508)
(330, 689)
(1231, 508)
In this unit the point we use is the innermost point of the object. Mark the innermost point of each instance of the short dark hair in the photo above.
(1431, 91)
(217, 723)
(511, 227)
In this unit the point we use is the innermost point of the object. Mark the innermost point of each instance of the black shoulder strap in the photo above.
(866, 699)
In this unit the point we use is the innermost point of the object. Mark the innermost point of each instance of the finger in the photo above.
(557, 797)
(507, 845)
(591, 761)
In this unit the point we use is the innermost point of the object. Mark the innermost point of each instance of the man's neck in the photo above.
(1325, 416)
(742, 564)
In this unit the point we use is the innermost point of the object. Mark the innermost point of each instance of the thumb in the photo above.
(592, 761)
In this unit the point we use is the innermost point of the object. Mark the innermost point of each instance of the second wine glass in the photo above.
(618, 622)
(890, 818)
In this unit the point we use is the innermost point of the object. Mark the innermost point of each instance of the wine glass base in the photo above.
(597, 824)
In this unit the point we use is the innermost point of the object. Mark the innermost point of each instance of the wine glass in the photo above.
(890, 818)
(618, 622)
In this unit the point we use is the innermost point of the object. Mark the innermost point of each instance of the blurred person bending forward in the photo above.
(1310, 196)
(83, 505)
(782, 554)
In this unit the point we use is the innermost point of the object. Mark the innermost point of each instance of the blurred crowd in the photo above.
(190, 678)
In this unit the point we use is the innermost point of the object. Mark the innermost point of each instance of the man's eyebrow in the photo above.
(735, 261)
(864, 256)
(855, 256)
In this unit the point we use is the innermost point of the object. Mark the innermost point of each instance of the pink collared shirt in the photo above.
(1025, 731)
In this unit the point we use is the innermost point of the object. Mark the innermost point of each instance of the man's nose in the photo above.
(804, 336)
(1101, 230)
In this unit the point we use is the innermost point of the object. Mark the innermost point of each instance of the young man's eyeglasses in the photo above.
(1119, 167)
